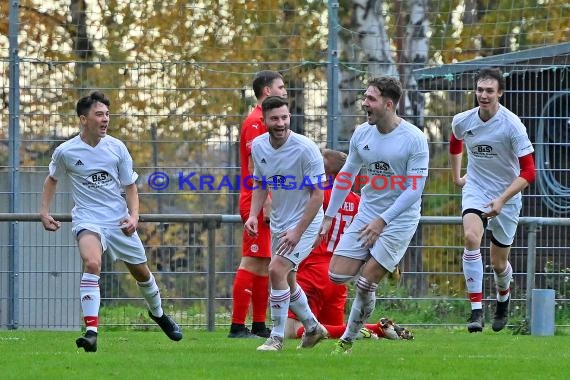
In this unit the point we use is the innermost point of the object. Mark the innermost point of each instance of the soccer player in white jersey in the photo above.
(499, 166)
(99, 167)
(395, 155)
(291, 167)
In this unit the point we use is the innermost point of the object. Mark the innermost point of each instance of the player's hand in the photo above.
(495, 206)
(288, 240)
(371, 232)
(49, 223)
(129, 225)
(323, 231)
(251, 226)
(461, 181)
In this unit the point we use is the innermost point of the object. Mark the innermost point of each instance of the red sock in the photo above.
(91, 321)
(243, 284)
(375, 328)
(259, 298)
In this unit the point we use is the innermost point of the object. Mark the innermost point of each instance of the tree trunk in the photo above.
(372, 48)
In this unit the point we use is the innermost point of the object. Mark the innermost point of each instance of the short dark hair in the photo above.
(85, 103)
(491, 73)
(272, 102)
(389, 87)
(263, 79)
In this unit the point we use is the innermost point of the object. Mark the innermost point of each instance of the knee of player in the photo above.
(472, 238)
(339, 278)
(92, 266)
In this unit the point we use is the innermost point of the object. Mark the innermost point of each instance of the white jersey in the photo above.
(493, 149)
(389, 160)
(288, 172)
(98, 175)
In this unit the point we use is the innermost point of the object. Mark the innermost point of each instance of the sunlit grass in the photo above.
(435, 353)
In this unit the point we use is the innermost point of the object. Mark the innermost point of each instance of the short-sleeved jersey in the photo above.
(98, 175)
(493, 149)
(289, 172)
(339, 223)
(251, 127)
(388, 159)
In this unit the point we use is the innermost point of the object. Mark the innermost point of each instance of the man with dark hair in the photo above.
(499, 166)
(291, 167)
(99, 167)
(251, 284)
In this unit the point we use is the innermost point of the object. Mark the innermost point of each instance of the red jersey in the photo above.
(341, 220)
(251, 127)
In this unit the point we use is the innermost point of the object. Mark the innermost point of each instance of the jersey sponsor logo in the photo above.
(97, 180)
(380, 168)
(483, 151)
(78, 163)
(366, 147)
(263, 161)
(278, 182)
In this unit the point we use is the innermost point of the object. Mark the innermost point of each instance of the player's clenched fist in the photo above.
(49, 223)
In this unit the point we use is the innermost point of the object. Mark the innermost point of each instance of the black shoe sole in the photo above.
(175, 335)
(473, 329)
(497, 327)
(84, 343)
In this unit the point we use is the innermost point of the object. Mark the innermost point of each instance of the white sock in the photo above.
(90, 300)
(300, 306)
(503, 283)
(473, 272)
(279, 300)
(151, 294)
(361, 310)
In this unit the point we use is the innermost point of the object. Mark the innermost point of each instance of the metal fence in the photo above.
(42, 291)
(178, 104)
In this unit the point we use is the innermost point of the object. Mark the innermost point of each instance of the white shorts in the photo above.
(388, 250)
(302, 249)
(504, 225)
(115, 243)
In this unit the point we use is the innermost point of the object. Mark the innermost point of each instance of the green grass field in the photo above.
(434, 354)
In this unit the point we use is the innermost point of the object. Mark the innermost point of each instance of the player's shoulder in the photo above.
(110, 140)
(509, 118)
(253, 120)
(68, 145)
(302, 139)
(411, 129)
(306, 145)
(464, 116)
(261, 140)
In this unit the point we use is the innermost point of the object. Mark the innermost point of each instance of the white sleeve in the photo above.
(57, 164)
(414, 189)
(126, 174)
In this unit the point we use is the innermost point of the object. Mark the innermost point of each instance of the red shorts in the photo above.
(326, 299)
(260, 245)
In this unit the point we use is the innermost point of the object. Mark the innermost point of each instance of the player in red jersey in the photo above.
(251, 284)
